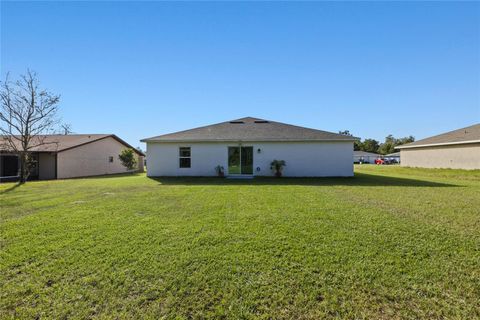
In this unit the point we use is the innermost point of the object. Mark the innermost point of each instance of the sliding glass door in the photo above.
(234, 160)
(240, 160)
(246, 157)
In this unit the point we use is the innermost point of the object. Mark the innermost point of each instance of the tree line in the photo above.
(374, 146)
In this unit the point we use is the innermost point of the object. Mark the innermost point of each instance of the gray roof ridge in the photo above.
(253, 119)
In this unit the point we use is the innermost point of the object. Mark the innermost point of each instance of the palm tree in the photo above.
(278, 165)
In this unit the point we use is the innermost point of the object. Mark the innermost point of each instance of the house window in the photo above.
(110, 159)
(185, 157)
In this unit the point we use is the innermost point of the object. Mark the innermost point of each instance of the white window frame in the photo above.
(180, 157)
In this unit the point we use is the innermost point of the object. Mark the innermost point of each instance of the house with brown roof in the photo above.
(69, 156)
(457, 149)
(246, 147)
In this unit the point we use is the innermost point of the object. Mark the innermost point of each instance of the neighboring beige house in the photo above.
(71, 156)
(458, 149)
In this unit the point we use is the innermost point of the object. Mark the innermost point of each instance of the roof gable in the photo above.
(249, 129)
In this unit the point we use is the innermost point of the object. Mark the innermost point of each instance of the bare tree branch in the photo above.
(66, 129)
(27, 115)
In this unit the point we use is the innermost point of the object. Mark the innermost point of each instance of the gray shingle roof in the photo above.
(250, 129)
(365, 154)
(469, 134)
(395, 154)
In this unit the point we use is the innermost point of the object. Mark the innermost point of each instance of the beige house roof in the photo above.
(60, 142)
(469, 134)
(250, 129)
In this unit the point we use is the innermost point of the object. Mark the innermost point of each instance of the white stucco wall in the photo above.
(466, 156)
(304, 159)
(91, 159)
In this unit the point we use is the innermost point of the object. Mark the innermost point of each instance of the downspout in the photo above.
(56, 166)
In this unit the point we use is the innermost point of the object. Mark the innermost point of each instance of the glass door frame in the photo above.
(240, 164)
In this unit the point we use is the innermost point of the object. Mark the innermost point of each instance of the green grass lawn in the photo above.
(389, 243)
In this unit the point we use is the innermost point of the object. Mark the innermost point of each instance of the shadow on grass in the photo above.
(106, 176)
(360, 179)
(13, 187)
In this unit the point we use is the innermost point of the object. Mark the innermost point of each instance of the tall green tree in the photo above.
(357, 144)
(128, 159)
(370, 145)
(345, 133)
(388, 146)
(405, 140)
(391, 142)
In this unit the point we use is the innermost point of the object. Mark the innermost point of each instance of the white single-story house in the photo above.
(365, 157)
(70, 156)
(246, 147)
(458, 149)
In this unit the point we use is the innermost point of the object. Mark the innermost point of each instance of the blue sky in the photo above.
(140, 69)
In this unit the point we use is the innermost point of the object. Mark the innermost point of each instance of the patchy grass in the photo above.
(390, 243)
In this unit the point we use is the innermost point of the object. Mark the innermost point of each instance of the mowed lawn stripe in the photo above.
(133, 247)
